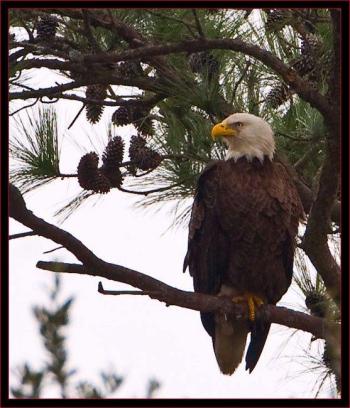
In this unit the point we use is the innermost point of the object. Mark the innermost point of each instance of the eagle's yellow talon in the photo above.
(251, 307)
(252, 301)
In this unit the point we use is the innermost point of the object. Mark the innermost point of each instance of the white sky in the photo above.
(137, 336)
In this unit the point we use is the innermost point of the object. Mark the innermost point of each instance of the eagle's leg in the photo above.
(252, 300)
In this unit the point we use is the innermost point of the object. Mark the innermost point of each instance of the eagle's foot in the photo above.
(253, 301)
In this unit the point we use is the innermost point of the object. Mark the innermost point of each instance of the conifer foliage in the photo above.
(46, 28)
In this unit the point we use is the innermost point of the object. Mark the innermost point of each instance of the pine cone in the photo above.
(277, 96)
(121, 116)
(143, 157)
(311, 50)
(137, 142)
(276, 20)
(303, 65)
(204, 63)
(113, 175)
(100, 183)
(317, 304)
(114, 152)
(94, 111)
(90, 177)
(87, 170)
(46, 28)
(129, 69)
(312, 44)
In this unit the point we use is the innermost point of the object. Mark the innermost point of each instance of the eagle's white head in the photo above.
(246, 135)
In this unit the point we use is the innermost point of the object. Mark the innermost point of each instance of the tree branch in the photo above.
(108, 79)
(315, 241)
(171, 296)
(290, 76)
(155, 190)
(92, 265)
(300, 86)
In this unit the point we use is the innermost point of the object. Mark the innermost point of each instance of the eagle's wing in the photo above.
(207, 247)
(292, 209)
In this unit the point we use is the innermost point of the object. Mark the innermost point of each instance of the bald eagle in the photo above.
(242, 231)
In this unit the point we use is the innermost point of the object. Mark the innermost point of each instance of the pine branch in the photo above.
(108, 78)
(189, 27)
(290, 77)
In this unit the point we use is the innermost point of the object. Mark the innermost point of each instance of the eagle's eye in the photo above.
(238, 124)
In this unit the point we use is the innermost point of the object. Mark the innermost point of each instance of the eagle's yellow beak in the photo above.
(221, 130)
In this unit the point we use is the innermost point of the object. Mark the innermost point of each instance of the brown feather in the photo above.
(242, 232)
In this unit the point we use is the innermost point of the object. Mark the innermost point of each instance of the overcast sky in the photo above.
(138, 337)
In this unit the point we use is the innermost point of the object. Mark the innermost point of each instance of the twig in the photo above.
(178, 20)
(198, 23)
(53, 250)
(22, 235)
(23, 86)
(296, 139)
(103, 291)
(25, 107)
(305, 159)
(30, 34)
(156, 190)
(248, 64)
(145, 173)
(62, 175)
(77, 116)
(50, 101)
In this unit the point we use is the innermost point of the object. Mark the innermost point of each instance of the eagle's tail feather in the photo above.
(257, 343)
(229, 344)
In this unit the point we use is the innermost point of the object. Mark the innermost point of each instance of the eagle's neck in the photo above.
(249, 155)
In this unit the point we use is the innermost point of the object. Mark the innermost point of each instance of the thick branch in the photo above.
(315, 242)
(290, 76)
(92, 265)
(155, 289)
